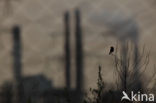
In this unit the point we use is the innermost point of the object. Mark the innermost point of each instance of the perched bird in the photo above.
(111, 50)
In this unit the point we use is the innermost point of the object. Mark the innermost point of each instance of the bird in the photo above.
(111, 50)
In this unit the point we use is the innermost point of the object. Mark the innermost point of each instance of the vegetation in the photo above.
(97, 93)
(130, 67)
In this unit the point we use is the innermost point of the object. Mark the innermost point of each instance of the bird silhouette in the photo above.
(111, 50)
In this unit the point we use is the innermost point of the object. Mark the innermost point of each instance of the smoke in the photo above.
(122, 26)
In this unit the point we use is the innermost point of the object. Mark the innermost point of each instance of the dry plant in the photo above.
(97, 94)
(130, 66)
